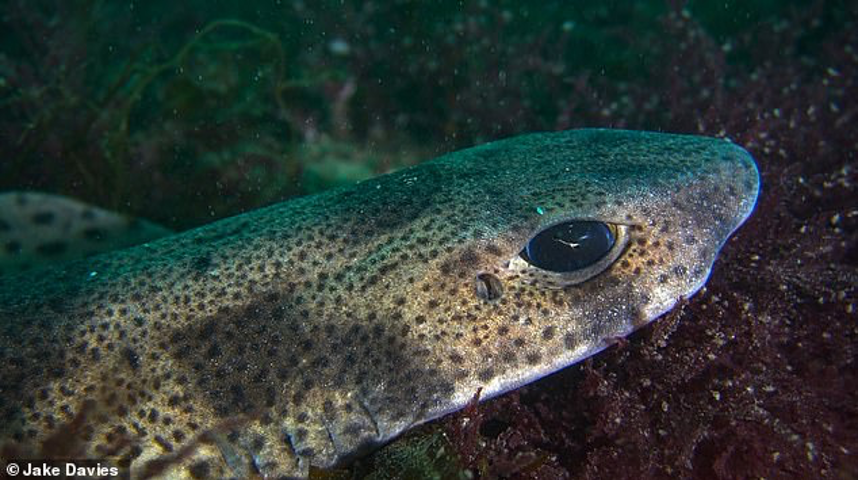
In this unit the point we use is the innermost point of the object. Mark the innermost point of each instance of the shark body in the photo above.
(310, 331)
(39, 229)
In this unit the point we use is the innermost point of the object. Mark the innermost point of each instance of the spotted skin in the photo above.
(311, 331)
(38, 229)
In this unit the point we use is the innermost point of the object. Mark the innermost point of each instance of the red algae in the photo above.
(754, 377)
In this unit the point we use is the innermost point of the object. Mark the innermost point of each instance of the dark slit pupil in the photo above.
(569, 246)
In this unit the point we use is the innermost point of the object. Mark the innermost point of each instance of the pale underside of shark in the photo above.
(310, 331)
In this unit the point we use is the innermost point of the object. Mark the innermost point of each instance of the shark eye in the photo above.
(569, 246)
(571, 252)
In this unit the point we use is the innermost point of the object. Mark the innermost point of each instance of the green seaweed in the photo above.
(422, 454)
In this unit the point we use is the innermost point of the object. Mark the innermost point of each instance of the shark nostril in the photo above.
(489, 287)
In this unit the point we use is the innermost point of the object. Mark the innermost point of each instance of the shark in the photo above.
(307, 333)
(41, 229)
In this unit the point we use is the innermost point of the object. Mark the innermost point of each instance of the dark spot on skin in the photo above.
(548, 332)
(200, 470)
(532, 358)
(468, 259)
(486, 374)
(132, 358)
(163, 443)
(213, 352)
(258, 443)
(493, 249)
(201, 263)
(52, 248)
(447, 267)
(43, 218)
(508, 356)
(569, 341)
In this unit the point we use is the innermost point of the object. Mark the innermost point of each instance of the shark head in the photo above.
(584, 237)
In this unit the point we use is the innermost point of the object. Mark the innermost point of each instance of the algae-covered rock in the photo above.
(423, 454)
